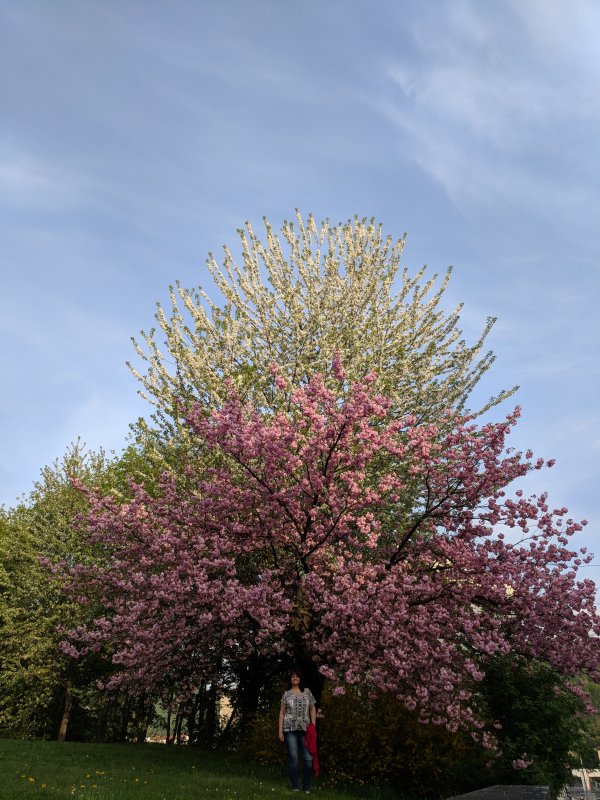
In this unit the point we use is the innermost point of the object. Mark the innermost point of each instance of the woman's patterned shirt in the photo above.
(297, 709)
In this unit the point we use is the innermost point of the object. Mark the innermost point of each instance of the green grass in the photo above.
(35, 770)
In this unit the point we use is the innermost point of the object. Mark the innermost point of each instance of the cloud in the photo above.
(569, 33)
(31, 183)
(494, 113)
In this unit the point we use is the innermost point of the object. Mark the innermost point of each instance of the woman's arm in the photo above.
(312, 708)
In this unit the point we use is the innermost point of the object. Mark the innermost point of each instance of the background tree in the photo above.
(589, 749)
(544, 724)
(43, 692)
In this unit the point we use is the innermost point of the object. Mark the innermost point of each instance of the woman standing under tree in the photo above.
(298, 710)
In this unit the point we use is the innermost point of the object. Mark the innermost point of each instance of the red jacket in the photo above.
(311, 746)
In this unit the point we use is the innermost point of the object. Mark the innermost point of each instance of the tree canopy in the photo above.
(296, 301)
(33, 672)
(375, 547)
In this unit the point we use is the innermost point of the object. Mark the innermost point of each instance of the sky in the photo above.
(136, 136)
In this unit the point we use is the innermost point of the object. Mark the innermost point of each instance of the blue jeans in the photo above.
(295, 741)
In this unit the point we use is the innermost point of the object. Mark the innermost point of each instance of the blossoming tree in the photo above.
(296, 300)
(382, 548)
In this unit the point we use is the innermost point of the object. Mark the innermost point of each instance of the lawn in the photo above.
(32, 770)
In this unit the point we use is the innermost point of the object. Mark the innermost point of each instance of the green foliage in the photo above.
(542, 721)
(364, 740)
(376, 739)
(590, 744)
(379, 739)
(261, 738)
(34, 673)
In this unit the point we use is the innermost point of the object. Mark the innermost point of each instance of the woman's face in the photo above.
(295, 679)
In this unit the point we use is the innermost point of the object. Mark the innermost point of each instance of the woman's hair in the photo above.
(299, 674)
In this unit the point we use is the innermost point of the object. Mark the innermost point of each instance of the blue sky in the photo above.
(137, 136)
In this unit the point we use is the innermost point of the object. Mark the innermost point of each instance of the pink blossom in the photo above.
(376, 542)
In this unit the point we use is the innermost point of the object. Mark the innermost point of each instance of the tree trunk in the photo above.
(251, 681)
(212, 717)
(193, 715)
(144, 711)
(126, 716)
(102, 726)
(64, 723)
(303, 661)
(178, 725)
(169, 740)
